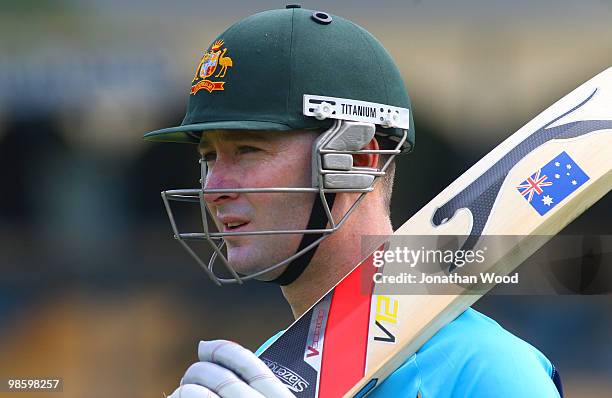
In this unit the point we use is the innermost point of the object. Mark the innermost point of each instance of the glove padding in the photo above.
(228, 370)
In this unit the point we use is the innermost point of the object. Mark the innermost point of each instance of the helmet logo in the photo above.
(212, 60)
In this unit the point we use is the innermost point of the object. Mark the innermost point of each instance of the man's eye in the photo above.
(247, 149)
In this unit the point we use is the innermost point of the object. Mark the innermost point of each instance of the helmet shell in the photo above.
(254, 75)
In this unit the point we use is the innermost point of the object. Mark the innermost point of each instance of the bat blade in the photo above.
(530, 186)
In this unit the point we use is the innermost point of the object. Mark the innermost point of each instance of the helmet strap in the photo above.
(318, 220)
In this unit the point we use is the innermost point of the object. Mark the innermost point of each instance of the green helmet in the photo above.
(255, 74)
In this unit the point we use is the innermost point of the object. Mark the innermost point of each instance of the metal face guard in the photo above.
(332, 172)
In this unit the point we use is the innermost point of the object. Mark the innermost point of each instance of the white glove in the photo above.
(228, 370)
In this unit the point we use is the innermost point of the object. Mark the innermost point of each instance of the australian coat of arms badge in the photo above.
(213, 65)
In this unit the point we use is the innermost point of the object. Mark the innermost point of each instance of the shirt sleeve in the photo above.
(507, 371)
(475, 357)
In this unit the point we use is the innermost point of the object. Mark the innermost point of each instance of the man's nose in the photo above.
(219, 179)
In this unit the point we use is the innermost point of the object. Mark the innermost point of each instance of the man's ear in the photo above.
(368, 159)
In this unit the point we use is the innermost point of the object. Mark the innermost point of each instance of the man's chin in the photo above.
(248, 265)
(242, 262)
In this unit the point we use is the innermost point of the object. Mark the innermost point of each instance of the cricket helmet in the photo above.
(295, 69)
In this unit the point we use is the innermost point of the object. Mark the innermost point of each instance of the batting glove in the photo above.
(228, 370)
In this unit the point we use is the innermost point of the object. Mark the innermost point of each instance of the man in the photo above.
(298, 115)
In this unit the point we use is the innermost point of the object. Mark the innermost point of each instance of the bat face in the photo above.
(530, 186)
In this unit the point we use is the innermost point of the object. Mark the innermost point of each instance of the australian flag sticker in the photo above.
(555, 181)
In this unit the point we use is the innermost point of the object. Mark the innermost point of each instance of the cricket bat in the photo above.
(529, 187)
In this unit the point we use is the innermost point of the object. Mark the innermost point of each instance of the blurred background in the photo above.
(94, 289)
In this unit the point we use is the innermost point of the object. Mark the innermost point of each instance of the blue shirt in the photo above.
(473, 356)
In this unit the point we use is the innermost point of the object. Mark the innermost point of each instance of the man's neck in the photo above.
(337, 255)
